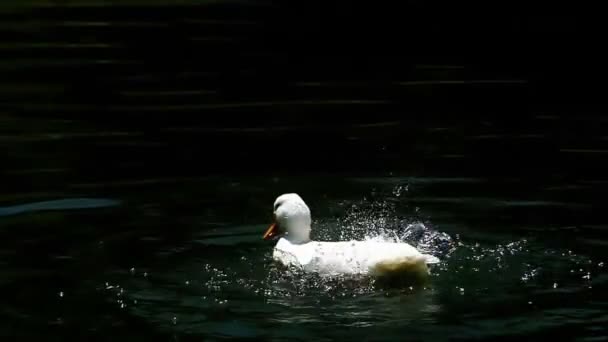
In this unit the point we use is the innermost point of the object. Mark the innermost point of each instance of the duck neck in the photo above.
(298, 238)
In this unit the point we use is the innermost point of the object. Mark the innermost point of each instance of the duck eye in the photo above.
(277, 205)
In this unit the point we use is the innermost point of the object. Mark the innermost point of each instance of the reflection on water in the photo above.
(62, 204)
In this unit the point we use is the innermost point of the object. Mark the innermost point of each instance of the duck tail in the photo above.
(430, 259)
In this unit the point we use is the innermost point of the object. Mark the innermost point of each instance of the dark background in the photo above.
(236, 86)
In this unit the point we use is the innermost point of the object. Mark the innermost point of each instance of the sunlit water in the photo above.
(216, 279)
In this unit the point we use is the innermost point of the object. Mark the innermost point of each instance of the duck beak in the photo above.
(271, 232)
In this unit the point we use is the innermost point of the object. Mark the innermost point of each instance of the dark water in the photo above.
(184, 259)
(143, 145)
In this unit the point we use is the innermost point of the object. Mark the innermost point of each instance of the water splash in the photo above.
(365, 220)
(380, 220)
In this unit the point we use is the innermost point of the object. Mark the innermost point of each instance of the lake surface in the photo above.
(181, 257)
(143, 146)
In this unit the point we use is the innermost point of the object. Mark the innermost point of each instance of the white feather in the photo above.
(341, 257)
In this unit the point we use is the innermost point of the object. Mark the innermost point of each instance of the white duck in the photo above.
(292, 223)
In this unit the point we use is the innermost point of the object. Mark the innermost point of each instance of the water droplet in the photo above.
(554, 285)
(601, 264)
(61, 294)
(530, 303)
(134, 301)
(399, 190)
(187, 282)
(174, 320)
(145, 274)
(132, 270)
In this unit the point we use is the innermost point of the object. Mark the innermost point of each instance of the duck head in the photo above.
(291, 219)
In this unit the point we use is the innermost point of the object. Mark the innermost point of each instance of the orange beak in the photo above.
(271, 232)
